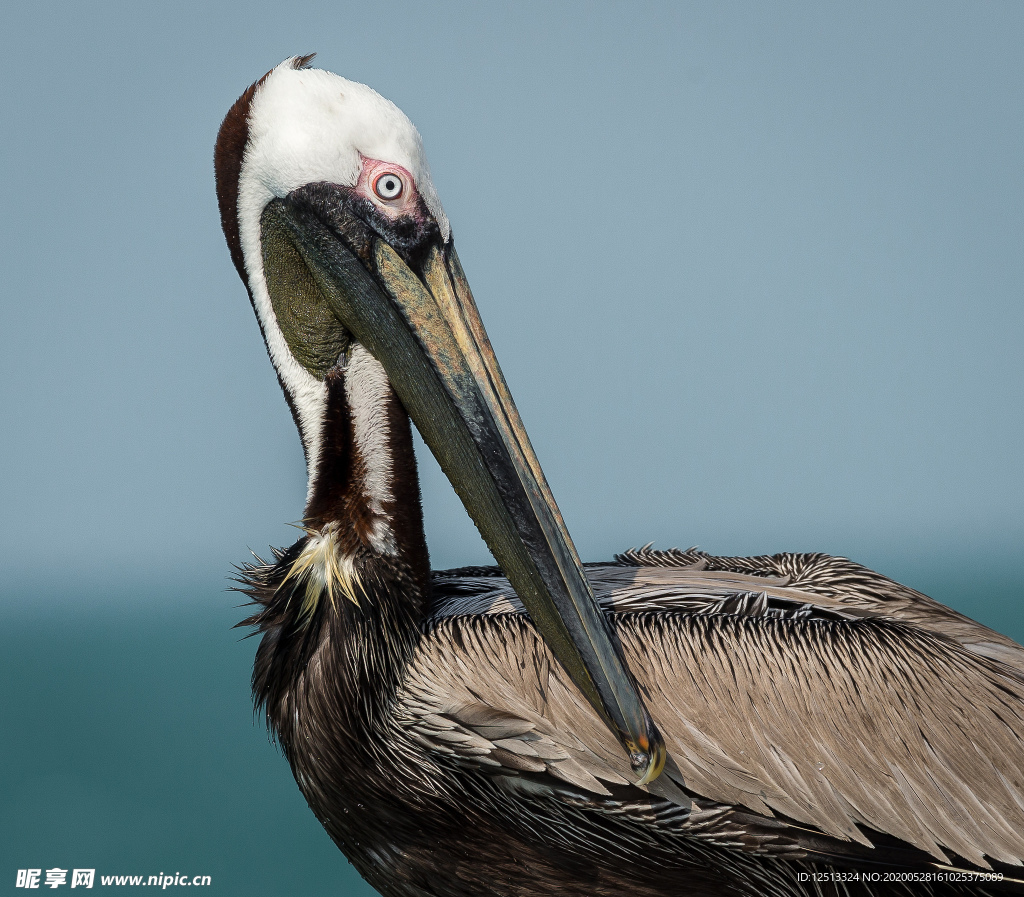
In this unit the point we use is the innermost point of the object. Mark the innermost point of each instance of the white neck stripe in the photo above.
(368, 392)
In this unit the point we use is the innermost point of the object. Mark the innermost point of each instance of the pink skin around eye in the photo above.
(406, 203)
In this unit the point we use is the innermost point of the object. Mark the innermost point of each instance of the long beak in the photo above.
(428, 336)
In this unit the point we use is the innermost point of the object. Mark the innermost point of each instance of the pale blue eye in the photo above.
(388, 186)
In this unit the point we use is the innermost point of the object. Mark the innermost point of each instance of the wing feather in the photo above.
(800, 687)
(862, 723)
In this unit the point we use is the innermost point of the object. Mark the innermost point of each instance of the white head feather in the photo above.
(310, 126)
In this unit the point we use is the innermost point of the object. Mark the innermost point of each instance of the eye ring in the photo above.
(388, 186)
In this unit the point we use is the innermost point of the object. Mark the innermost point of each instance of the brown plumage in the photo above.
(829, 731)
(820, 716)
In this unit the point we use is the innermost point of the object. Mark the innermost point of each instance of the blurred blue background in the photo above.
(754, 274)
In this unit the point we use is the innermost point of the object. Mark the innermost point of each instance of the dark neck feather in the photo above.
(341, 494)
(334, 655)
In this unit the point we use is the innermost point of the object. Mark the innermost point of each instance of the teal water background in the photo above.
(129, 746)
(129, 743)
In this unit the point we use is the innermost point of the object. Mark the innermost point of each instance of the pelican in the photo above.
(666, 723)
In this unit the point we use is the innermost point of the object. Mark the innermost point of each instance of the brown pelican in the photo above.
(817, 728)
